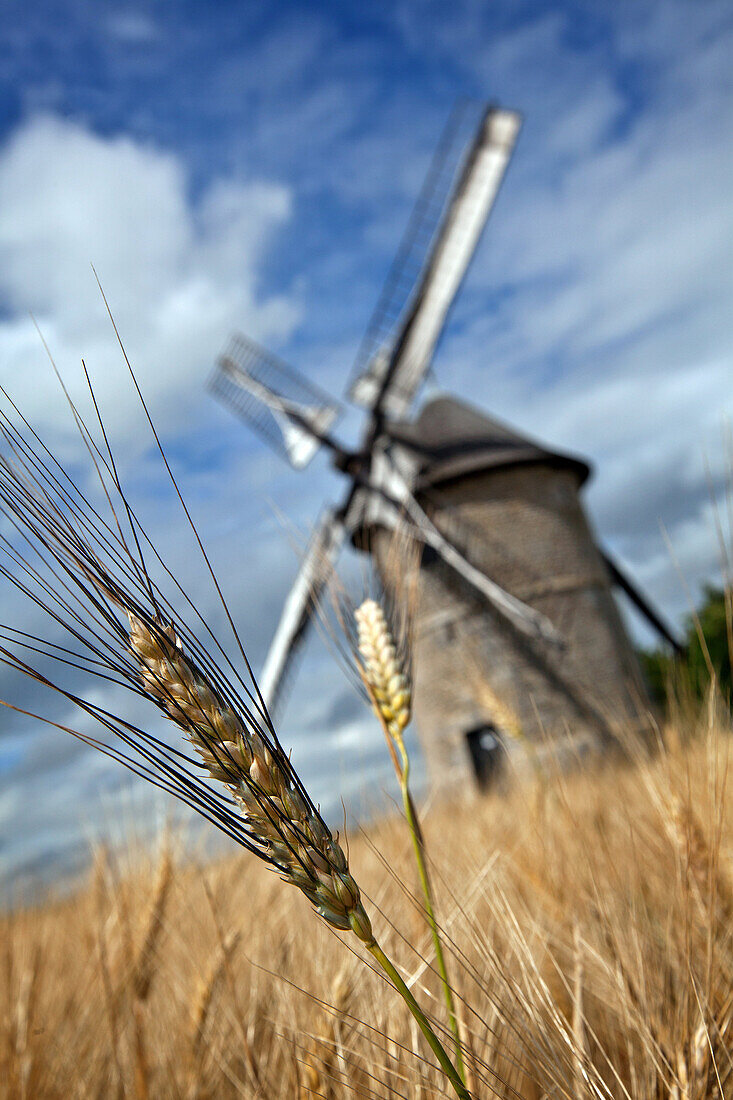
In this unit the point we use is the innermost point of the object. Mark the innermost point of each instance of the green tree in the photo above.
(707, 647)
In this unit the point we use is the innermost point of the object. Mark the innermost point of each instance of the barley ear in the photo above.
(283, 825)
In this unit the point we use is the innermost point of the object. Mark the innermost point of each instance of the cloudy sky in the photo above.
(251, 166)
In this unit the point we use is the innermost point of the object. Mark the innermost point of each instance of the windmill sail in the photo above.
(412, 254)
(300, 605)
(391, 383)
(287, 410)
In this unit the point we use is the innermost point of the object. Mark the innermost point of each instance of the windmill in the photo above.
(510, 642)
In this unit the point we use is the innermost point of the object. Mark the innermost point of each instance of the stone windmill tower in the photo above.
(483, 687)
(519, 642)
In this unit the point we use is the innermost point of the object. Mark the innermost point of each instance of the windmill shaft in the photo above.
(523, 617)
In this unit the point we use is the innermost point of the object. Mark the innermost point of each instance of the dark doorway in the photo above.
(485, 748)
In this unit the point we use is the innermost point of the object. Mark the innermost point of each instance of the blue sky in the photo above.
(241, 165)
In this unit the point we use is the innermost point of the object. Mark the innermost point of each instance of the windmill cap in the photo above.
(451, 439)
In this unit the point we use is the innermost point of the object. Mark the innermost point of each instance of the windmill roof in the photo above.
(452, 439)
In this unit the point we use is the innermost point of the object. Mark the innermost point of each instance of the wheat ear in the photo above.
(382, 669)
(296, 840)
(388, 684)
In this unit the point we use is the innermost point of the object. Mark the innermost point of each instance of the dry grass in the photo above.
(589, 920)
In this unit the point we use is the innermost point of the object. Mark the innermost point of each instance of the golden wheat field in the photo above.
(587, 920)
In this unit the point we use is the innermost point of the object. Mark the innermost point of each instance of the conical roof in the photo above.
(451, 439)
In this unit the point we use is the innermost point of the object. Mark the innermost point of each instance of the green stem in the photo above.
(434, 1042)
(419, 847)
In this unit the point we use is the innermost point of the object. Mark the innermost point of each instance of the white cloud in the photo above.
(179, 273)
(133, 27)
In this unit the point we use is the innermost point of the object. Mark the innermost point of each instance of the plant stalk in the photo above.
(433, 1041)
(419, 847)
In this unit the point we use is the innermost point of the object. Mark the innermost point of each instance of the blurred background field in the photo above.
(587, 920)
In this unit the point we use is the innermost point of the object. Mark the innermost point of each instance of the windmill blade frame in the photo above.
(414, 247)
(392, 377)
(282, 406)
(300, 605)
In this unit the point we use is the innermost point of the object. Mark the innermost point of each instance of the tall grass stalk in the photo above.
(404, 991)
(388, 686)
